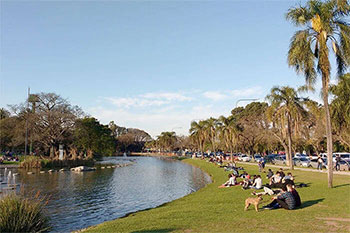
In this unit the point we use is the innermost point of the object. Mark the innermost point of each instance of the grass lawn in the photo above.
(10, 163)
(221, 210)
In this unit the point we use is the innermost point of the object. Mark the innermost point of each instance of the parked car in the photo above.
(324, 156)
(344, 165)
(302, 161)
(244, 158)
(269, 158)
(298, 155)
(280, 160)
(305, 162)
(313, 163)
(258, 158)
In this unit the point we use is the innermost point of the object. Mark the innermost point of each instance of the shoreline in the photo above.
(3, 166)
(214, 209)
(151, 208)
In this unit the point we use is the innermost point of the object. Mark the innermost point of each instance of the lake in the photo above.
(79, 200)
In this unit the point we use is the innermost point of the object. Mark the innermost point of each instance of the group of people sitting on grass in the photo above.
(279, 184)
(6, 158)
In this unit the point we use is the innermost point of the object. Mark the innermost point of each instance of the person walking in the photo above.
(337, 163)
(319, 163)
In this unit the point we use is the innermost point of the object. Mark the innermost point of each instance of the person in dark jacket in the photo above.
(285, 200)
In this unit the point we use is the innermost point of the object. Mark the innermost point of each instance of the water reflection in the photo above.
(79, 200)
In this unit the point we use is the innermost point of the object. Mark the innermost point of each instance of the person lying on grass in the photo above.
(231, 181)
(284, 199)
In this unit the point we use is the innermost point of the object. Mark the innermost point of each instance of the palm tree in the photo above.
(326, 28)
(340, 109)
(287, 106)
(211, 129)
(198, 134)
(229, 132)
(167, 140)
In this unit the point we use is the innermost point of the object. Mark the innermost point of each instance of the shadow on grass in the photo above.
(341, 185)
(156, 230)
(310, 203)
(302, 185)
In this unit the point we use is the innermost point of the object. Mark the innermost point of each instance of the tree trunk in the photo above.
(52, 152)
(329, 133)
(291, 165)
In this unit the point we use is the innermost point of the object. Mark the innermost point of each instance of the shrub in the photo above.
(39, 162)
(31, 162)
(19, 214)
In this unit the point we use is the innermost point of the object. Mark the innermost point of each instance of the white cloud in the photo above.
(215, 95)
(148, 99)
(247, 92)
(170, 96)
(135, 102)
(156, 112)
(253, 92)
(155, 122)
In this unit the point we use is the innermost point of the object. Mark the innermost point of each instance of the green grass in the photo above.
(221, 210)
(10, 163)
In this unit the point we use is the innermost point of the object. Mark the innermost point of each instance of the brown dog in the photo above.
(254, 201)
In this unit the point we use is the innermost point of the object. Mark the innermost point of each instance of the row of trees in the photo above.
(47, 120)
(287, 122)
(325, 29)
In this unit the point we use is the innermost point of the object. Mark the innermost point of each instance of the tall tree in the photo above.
(211, 130)
(286, 108)
(326, 28)
(340, 109)
(197, 134)
(229, 131)
(90, 135)
(167, 140)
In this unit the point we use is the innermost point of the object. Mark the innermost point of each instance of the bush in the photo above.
(19, 214)
(38, 162)
(31, 162)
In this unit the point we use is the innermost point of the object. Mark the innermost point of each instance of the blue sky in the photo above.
(154, 65)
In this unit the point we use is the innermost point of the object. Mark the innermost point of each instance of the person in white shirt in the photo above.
(275, 179)
(257, 183)
(231, 181)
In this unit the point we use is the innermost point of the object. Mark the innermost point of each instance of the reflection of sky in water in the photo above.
(78, 200)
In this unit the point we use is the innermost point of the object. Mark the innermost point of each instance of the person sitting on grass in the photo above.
(282, 173)
(275, 181)
(248, 182)
(295, 194)
(257, 183)
(289, 176)
(269, 174)
(231, 181)
(284, 199)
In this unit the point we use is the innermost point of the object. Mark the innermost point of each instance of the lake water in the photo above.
(79, 200)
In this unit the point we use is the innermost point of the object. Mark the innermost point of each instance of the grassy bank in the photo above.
(221, 210)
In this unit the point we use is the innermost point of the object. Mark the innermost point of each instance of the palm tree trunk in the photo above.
(291, 165)
(328, 132)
